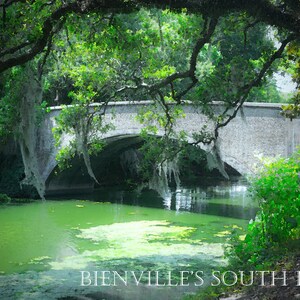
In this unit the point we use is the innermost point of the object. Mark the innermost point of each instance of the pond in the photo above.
(118, 244)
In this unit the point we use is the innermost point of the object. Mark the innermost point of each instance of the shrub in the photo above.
(276, 227)
(4, 199)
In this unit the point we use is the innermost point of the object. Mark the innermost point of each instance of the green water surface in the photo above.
(116, 231)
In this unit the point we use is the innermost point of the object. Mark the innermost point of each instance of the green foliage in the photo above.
(65, 155)
(41, 111)
(12, 173)
(268, 93)
(86, 125)
(162, 143)
(97, 57)
(193, 166)
(4, 199)
(293, 53)
(108, 54)
(147, 46)
(23, 22)
(240, 56)
(276, 228)
(9, 98)
(155, 151)
(292, 110)
(277, 188)
(11, 92)
(104, 57)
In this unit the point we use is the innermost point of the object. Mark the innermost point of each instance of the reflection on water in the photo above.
(228, 200)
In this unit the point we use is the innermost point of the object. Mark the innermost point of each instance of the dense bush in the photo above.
(4, 199)
(11, 175)
(276, 228)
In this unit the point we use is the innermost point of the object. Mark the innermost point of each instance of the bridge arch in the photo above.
(76, 179)
(236, 164)
(261, 129)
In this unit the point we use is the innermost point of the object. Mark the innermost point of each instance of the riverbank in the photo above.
(284, 283)
(279, 290)
(5, 199)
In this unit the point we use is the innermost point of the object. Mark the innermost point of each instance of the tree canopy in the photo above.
(95, 51)
(28, 27)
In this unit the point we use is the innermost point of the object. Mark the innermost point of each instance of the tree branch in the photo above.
(261, 10)
(42, 41)
(250, 25)
(15, 49)
(190, 73)
(254, 83)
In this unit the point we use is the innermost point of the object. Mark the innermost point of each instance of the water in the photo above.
(45, 245)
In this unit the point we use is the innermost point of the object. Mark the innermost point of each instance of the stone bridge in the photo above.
(260, 130)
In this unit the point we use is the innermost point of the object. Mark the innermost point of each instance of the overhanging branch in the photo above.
(245, 90)
(261, 10)
(41, 42)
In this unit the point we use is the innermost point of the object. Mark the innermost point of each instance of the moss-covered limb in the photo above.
(86, 126)
(21, 100)
(28, 131)
(81, 139)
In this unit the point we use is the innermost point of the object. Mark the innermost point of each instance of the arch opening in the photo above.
(118, 164)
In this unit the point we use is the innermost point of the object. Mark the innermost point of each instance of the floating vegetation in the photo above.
(143, 242)
(40, 260)
(222, 233)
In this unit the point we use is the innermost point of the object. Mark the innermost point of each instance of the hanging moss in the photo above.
(81, 136)
(32, 96)
(163, 175)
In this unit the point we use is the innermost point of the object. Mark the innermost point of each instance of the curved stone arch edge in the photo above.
(233, 162)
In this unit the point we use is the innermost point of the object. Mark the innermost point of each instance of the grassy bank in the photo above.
(272, 240)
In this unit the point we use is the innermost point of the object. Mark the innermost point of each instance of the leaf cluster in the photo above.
(276, 228)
